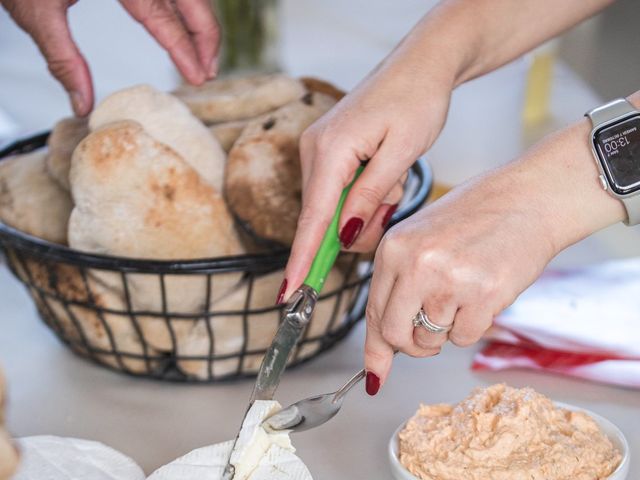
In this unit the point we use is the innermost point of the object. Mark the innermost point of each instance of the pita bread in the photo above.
(263, 177)
(135, 197)
(238, 98)
(90, 333)
(8, 452)
(30, 200)
(64, 138)
(167, 120)
(230, 338)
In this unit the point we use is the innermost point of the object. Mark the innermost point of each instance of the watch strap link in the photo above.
(609, 113)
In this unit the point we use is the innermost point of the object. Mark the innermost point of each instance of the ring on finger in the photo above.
(422, 320)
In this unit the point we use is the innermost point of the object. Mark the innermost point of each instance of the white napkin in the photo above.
(594, 309)
(583, 323)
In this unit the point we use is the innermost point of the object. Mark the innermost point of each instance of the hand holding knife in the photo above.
(297, 315)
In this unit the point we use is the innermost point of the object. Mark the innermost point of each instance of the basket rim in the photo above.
(267, 261)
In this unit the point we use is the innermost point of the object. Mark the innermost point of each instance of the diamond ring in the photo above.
(421, 320)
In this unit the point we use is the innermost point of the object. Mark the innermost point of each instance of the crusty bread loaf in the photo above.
(64, 138)
(8, 452)
(30, 200)
(167, 120)
(237, 98)
(263, 177)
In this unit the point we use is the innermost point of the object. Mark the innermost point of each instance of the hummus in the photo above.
(504, 433)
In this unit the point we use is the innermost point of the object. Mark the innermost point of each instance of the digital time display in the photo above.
(619, 149)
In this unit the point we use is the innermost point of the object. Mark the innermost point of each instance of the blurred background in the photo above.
(497, 116)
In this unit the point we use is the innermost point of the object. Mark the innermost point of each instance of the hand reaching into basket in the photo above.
(187, 29)
(467, 257)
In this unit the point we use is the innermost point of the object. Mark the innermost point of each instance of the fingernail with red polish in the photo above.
(387, 216)
(350, 231)
(283, 288)
(372, 383)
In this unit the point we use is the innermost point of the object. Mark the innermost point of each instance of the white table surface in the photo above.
(54, 392)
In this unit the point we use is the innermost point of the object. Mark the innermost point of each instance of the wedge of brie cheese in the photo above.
(259, 455)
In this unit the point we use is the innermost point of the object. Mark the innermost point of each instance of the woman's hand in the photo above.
(397, 112)
(187, 29)
(469, 255)
(389, 120)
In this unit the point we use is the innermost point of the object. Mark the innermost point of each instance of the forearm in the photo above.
(462, 39)
(556, 186)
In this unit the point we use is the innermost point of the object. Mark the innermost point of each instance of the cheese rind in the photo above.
(259, 455)
(58, 458)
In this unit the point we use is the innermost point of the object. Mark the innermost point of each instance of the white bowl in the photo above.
(610, 430)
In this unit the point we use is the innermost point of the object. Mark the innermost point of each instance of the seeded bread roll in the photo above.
(263, 184)
(30, 200)
(238, 98)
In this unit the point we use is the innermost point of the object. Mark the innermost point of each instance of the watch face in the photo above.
(618, 147)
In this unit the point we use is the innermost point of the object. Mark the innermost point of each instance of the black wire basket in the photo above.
(204, 320)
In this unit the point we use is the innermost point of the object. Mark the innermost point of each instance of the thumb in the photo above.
(66, 63)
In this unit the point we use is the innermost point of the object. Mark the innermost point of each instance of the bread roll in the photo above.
(167, 120)
(263, 184)
(64, 138)
(238, 98)
(30, 200)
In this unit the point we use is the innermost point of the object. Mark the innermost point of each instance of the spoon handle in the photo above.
(353, 381)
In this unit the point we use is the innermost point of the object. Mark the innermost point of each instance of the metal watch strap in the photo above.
(609, 113)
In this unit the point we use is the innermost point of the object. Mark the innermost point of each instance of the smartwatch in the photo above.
(615, 141)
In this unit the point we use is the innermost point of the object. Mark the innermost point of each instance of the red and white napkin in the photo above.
(583, 322)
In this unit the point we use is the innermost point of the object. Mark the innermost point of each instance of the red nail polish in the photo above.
(350, 231)
(372, 383)
(283, 288)
(387, 216)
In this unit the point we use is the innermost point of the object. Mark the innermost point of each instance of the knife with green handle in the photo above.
(297, 315)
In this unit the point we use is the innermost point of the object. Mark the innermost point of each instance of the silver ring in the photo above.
(421, 320)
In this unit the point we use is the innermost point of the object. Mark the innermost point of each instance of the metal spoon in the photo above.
(313, 411)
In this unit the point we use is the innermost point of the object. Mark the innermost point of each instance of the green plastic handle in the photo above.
(330, 246)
